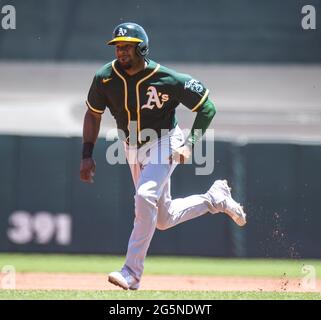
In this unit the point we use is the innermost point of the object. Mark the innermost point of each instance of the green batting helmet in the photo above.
(131, 32)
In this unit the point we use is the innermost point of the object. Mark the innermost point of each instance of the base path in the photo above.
(86, 281)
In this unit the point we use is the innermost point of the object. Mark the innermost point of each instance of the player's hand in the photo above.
(87, 170)
(180, 155)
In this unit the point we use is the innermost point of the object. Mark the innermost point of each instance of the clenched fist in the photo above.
(87, 170)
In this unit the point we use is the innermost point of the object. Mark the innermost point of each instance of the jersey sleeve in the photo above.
(96, 100)
(190, 92)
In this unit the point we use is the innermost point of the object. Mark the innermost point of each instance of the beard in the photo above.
(127, 64)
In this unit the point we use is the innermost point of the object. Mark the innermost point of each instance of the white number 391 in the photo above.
(41, 227)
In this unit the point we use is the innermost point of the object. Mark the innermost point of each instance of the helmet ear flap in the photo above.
(142, 49)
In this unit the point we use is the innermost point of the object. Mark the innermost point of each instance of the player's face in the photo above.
(126, 54)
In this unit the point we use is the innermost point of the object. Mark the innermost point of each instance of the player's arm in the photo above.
(96, 103)
(192, 94)
(90, 133)
(202, 120)
(204, 116)
(91, 127)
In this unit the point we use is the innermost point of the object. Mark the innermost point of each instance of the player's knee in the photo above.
(163, 221)
(162, 225)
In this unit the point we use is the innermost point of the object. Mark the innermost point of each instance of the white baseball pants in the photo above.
(154, 207)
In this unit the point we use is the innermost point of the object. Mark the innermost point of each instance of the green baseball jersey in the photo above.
(148, 97)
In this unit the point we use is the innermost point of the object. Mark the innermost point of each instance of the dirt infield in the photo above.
(71, 281)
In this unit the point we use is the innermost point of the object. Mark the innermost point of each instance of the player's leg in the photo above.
(149, 179)
(172, 212)
(149, 189)
(125, 278)
(217, 199)
(154, 174)
(133, 163)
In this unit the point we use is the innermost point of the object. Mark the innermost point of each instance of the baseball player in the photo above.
(142, 95)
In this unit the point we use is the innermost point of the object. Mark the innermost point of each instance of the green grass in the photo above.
(159, 265)
(153, 295)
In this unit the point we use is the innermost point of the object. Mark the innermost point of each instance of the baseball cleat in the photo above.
(123, 279)
(220, 195)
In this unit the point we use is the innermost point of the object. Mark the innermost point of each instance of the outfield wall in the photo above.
(45, 208)
(179, 31)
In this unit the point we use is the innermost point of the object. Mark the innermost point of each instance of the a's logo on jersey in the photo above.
(194, 85)
(121, 32)
(156, 99)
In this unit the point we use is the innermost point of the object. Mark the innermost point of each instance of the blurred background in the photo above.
(263, 70)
